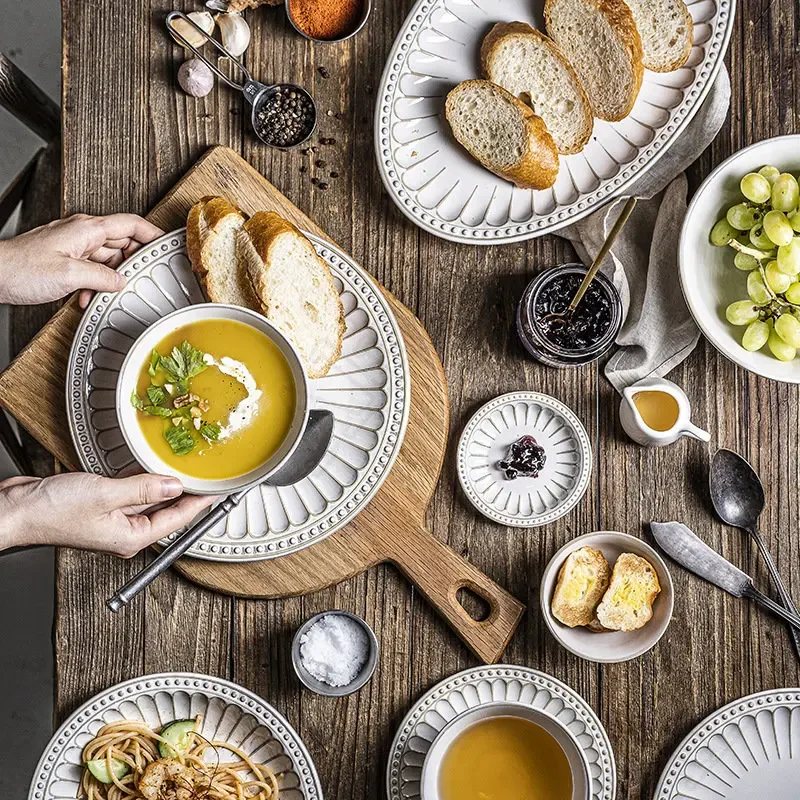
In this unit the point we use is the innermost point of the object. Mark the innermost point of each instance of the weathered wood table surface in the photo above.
(129, 134)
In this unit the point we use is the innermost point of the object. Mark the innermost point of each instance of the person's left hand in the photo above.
(77, 253)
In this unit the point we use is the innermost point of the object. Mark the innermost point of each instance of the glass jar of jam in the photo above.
(590, 331)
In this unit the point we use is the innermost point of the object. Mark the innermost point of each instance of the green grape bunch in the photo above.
(763, 230)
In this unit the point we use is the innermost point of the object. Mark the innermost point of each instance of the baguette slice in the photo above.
(667, 31)
(601, 41)
(211, 230)
(295, 288)
(582, 581)
(627, 605)
(532, 67)
(502, 133)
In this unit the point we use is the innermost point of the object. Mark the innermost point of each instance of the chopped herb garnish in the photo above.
(155, 358)
(136, 402)
(183, 363)
(158, 411)
(180, 440)
(209, 431)
(156, 395)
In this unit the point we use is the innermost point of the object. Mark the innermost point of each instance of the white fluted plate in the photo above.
(367, 389)
(524, 502)
(748, 749)
(231, 713)
(439, 187)
(484, 685)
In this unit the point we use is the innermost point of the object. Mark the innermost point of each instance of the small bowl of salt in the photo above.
(335, 653)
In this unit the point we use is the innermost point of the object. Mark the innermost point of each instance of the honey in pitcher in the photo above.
(659, 410)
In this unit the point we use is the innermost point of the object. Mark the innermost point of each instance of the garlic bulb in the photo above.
(195, 78)
(235, 33)
(202, 19)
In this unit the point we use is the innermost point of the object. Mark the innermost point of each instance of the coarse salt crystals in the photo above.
(334, 650)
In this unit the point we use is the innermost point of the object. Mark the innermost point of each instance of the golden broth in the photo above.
(659, 410)
(505, 758)
(252, 445)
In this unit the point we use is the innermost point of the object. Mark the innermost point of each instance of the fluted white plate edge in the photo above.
(524, 502)
(500, 683)
(230, 713)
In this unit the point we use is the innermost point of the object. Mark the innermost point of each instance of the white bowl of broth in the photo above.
(215, 395)
(505, 751)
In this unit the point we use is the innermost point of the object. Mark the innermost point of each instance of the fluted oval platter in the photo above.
(367, 389)
(748, 749)
(524, 502)
(506, 684)
(437, 185)
(230, 713)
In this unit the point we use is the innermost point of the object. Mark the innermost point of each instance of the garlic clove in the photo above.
(203, 19)
(235, 33)
(195, 78)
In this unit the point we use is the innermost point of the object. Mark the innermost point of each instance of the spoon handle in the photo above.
(627, 209)
(754, 594)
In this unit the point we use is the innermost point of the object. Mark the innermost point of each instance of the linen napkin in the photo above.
(658, 331)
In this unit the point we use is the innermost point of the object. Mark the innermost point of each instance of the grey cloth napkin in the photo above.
(658, 331)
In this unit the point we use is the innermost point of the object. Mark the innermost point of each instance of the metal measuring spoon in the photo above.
(263, 98)
(738, 498)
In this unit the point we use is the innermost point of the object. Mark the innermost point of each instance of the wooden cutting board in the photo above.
(390, 529)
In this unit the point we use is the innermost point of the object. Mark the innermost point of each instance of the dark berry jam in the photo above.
(524, 459)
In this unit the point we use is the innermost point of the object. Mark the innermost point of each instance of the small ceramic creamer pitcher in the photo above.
(656, 412)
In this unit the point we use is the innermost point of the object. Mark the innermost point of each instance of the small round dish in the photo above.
(524, 502)
(610, 647)
(319, 687)
(360, 24)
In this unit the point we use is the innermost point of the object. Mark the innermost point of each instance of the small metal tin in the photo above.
(362, 22)
(310, 682)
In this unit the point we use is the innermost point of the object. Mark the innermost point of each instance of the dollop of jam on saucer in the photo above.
(524, 459)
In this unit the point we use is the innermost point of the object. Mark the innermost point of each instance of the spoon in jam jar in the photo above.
(563, 318)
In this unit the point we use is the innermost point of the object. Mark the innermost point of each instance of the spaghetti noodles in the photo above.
(132, 748)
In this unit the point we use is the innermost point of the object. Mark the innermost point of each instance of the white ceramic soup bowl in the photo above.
(139, 355)
(709, 279)
(578, 765)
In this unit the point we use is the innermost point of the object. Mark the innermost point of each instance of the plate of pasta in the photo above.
(176, 736)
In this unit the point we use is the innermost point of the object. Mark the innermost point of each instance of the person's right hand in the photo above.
(121, 516)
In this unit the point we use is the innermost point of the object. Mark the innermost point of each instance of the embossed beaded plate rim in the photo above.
(501, 683)
(60, 764)
(573, 486)
(367, 438)
(698, 738)
(567, 201)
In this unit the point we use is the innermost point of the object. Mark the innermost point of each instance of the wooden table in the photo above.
(128, 134)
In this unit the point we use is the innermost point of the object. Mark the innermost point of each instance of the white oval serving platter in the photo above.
(230, 713)
(746, 750)
(368, 391)
(439, 187)
(497, 684)
(524, 502)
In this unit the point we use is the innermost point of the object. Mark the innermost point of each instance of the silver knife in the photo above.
(691, 552)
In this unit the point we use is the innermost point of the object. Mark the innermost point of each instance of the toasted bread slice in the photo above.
(532, 67)
(627, 605)
(295, 287)
(667, 31)
(582, 581)
(601, 41)
(502, 133)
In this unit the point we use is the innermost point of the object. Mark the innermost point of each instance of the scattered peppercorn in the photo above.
(284, 117)
(327, 140)
(324, 72)
(320, 163)
(315, 181)
(334, 174)
(323, 185)
(303, 168)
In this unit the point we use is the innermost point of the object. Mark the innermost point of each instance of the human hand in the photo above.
(79, 252)
(86, 511)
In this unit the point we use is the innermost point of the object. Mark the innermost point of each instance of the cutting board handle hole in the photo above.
(477, 608)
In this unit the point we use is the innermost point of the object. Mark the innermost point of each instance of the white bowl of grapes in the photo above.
(739, 258)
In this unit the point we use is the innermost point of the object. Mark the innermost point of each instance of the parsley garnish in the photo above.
(154, 360)
(209, 431)
(183, 363)
(136, 402)
(157, 411)
(156, 395)
(179, 439)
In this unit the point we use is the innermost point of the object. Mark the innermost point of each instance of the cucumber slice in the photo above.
(178, 735)
(99, 768)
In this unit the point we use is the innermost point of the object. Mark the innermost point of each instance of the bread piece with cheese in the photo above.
(295, 287)
(582, 581)
(532, 67)
(502, 133)
(627, 604)
(601, 41)
(666, 29)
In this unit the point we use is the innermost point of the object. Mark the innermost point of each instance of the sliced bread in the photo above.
(295, 287)
(667, 31)
(502, 133)
(582, 581)
(532, 67)
(601, 41)
(627, 605)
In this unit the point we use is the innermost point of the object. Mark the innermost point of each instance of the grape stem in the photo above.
(758, 255)
(761, 256)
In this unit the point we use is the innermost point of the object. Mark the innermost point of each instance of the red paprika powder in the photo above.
(326, 19)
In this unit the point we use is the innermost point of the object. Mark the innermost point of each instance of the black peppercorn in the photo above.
(324, 72)
(284, 117)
